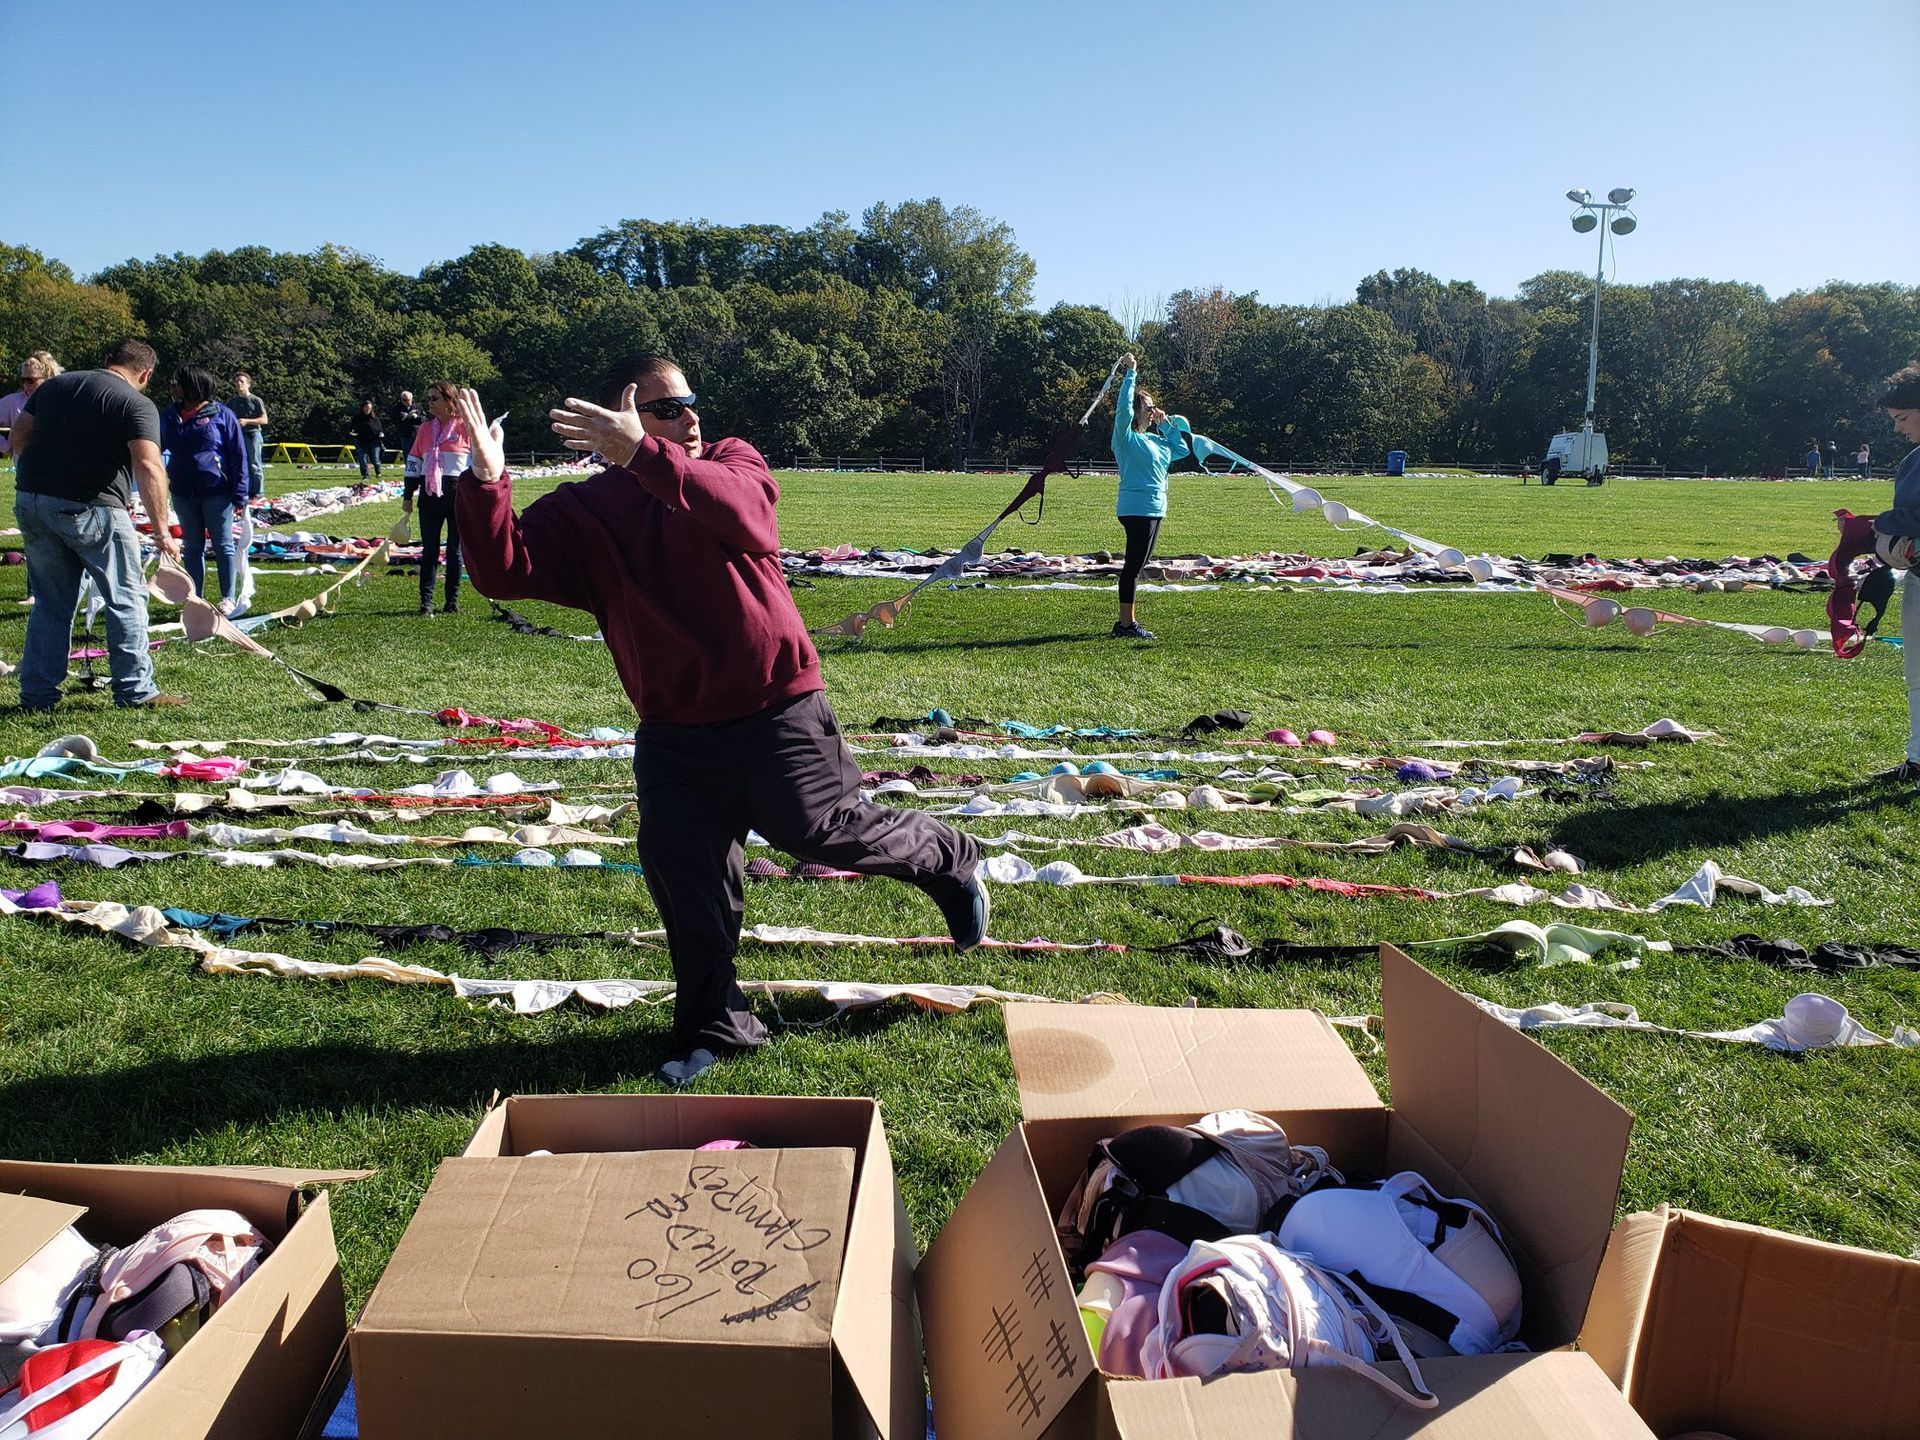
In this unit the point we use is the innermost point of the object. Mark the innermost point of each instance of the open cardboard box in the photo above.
(1479, 1109)
(624, 1284)
(252, 1371)
(1707, 1324)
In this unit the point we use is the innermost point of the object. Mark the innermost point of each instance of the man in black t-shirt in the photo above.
(85, 438)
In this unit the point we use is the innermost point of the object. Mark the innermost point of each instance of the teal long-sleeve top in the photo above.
(1143, 456)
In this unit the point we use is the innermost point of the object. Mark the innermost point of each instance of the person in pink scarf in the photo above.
(442, 446)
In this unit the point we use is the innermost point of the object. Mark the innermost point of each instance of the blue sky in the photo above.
(1135, 149)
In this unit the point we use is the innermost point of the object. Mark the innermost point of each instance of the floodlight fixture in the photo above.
(1585, 221)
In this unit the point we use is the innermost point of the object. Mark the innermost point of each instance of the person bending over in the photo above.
(675, 550)
(82, 443)
(1145, 443)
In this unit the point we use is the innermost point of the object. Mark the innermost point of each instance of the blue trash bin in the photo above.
(1396, 462)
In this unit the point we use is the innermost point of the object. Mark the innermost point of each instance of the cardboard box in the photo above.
(252, 1370)
(628, 1283)
(1707, 1324)
(1481, 1110)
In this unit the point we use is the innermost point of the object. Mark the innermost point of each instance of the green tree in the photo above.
(42, 307)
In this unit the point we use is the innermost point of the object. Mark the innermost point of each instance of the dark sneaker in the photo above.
(967, 913)
(1131, 630)
(1907, 772)
(426, 607)
(452, 607)
(686, 1068)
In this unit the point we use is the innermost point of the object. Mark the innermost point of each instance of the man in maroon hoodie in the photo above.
(675, 550)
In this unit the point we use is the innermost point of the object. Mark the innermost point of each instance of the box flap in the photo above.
(28, 1225)
(1617, 1313)
(1479, 1105)
(1006, 1350)
(740, 1247)
(1771, 1336)
(124, 1201)
(587, 1124)
(1072, 1061)
(875, 1328)
(292, 1176)
(1554, 1396)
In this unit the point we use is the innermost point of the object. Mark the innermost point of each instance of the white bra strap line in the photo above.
(1421, 1399)
(1424, 1397)
(1088, 414)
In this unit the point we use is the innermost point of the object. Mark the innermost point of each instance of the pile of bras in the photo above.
(83, 1327)
(1220, 1246)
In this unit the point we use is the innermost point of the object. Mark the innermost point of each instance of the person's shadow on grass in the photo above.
(121, 1114)
(1623, 834)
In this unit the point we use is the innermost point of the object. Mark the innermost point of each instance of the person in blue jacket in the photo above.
(207, 472)
(1145, 443)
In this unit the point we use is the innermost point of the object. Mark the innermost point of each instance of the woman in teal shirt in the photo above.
(1145, 443)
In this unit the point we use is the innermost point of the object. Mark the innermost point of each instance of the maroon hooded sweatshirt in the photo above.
(679, 561)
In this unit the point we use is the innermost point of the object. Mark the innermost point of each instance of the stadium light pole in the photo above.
(1613, 214)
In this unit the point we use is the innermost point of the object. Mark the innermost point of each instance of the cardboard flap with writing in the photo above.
(28, 1225)
(1072, 1061)
(1766, 1335)
(994, 1296)
(874, 1326)
(1479, 1105)
(1555, 1396)
(736, 1247)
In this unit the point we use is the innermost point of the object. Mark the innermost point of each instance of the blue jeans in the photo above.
(206, 521)
(369, 455)
(63, 540)
(256, 472)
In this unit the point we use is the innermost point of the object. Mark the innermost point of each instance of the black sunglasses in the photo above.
(669, 407)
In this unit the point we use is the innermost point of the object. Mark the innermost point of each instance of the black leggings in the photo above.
(1142, 531)
(436, 511)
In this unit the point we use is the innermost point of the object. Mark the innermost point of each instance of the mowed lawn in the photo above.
(108, 1052)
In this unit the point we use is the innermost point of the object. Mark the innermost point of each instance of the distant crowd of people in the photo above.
(1827, 463)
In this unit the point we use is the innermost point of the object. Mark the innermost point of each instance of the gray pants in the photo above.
(63, 540)
(786, 773)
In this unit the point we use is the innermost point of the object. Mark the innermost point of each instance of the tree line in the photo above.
(913, 333)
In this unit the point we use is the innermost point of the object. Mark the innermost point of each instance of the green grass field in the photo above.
(112, 1053)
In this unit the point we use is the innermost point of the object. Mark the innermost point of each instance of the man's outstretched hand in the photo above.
(489, 457)
(614, 434)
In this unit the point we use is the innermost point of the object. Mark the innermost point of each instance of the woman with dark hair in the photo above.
(207, 473)
(442, 445)
(1145, 443)
(367, 434)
